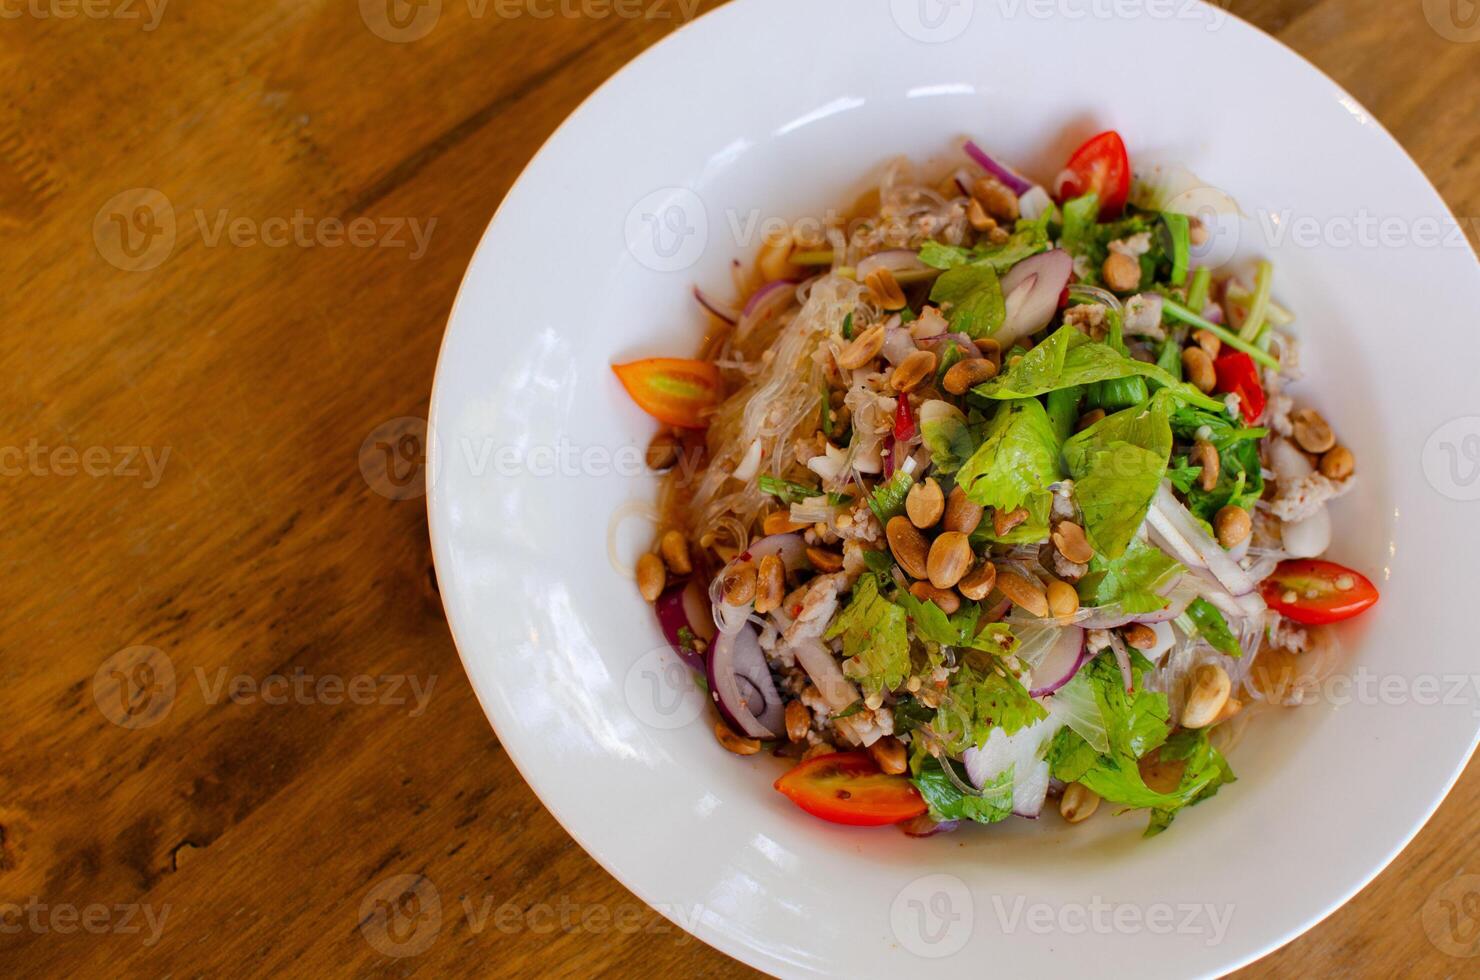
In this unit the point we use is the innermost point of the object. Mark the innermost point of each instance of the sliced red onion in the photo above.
(1014, 183)
(938, 343)
(724, 311)
(769, 300)
(1213, 313)
(1032, 289)
(741, 685)
(1060, 663)
(1176, 525)
(838, 691)
(1109, 617)
(924, 826)
(904, 263)
(1123, 661)
(898, 344)
(674, 615)
(1033, 203)
(1021, 752)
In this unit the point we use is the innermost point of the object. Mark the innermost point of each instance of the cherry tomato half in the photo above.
(849, 788)
(1238, 374)
(673, 390)
(1316, 592)
(1100, 165)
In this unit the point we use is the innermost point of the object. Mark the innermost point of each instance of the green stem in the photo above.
(1263, 280)
(1177, 311)
(1197, 290)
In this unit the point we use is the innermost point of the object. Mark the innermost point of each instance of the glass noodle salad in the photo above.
(988, 494)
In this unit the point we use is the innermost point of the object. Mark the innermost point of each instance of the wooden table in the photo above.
(192, 409)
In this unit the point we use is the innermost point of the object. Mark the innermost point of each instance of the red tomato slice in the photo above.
(1316, 592)
(1238, 374)
(1100, 165)
(849, 788)
(673, 390)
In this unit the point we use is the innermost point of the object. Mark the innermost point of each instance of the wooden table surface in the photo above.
(236, 718)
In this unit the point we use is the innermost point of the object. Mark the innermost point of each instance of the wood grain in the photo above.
(249, 376)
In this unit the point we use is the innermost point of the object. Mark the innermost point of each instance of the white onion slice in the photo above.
(904, 263)
(1022, 753)
(838, 691)
(1176, 525)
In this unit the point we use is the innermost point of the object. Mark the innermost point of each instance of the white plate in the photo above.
(774, 108)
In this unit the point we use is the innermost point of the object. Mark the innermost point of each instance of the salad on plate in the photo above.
(988, 494)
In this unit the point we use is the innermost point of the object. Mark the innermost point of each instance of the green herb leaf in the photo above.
(983, 695)
(787, 491)
(875, 638)
(971, 298)
(947, 802)
(1206, 771)
(1211, 626)
(1117, 465)
(887, 499)
(947, 435)
(1133, 580)
(1016, 462)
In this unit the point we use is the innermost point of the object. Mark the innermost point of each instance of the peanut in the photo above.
(1208, 341)
(1199, 368)
(962, 514)
(1338, 463)
(779, 522)
(908, 546)
(885, 289)
(925, 503)
(862, 349)
(1028, 595)
(889, 753)
(1088, 419)
(1312, 432)
(798, 721)
(1203, 454)
(738, 744)
(651, 576)
(1207, 696)
(979, 582)
(949, 559)
(1139, 635)
(914, 369)
(996, 198)
(825, 561)
(663, 451)
(1004, 521)
(1063, 601)
(674, 548)
(1078, 803)
(770, 584)
(966, 374)
(946, 599)
(1069, 538)
(1233, 526)
(738, 584)
(1121, 272)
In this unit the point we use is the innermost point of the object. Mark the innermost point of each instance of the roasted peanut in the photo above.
(1231, 707)
(821, 748)
(996, 198)
(1063, 601)
(1206, 697)
(977, 215)
(946, 599)
(770, 583)
(925, 503)
(862, 348)
(1078, 803)
(914, 369)
(966, 374)
(1203, 454)
(1088, 419)
(962, 514)
(779, 522)
(1139, 635)
(1233, 526)
(1121, 272)
(990, 350)
(885, 289)
(798, 721)
(889, 753)
(1338, 463)
(1028, 595)
(674, 548)
(738, 584)
(908, 546)
(1004, 521)
(949, 559)
(1199, 369)
(825, 561)
(979, 582)
(663, 451)
(738, 744)
(1069, 538)
(651, 576)
(1312, 432)
(1208, 341)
